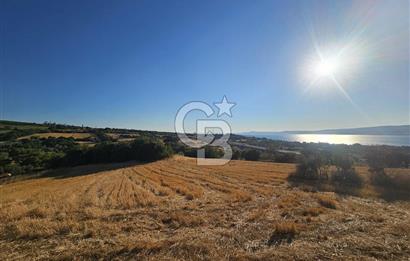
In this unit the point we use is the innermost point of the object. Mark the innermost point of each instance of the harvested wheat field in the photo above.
(75, 135)
(176, 210)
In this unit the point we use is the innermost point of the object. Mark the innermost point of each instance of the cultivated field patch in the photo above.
(75, 135)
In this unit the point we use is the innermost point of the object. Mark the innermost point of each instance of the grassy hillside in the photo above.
(174, 209)
(26, 148)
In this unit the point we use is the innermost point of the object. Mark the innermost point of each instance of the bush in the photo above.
(380, 178)
(378, 160)
(286, 158)
(309, 168)
(150, 150)
(251, 155)
(14, 168)
(347, 177)
(236, 155)
(381, 157)
(101, 136)
(210, 152)
(345, 173)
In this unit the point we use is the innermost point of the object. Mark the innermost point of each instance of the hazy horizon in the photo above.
(133, 64)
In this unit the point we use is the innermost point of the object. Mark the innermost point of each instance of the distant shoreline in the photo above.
(398, 130)
(348, 139)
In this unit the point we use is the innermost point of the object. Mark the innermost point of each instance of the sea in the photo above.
(393, 140)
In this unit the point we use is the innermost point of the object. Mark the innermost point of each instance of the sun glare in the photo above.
(332, 67)
(326, 67)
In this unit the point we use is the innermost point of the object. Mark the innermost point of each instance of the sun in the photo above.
(331, 65)
(327, 67)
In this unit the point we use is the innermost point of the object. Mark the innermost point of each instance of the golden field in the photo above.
(75, 135)
(175, 210)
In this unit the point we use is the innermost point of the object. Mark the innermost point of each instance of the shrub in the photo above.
(285, 158)
(345, 172)
(101, 136)
(347, 177)
(236, 155)
(150, 150)
(210, 152)
(380, 178)
(251, 155)
(14, 168)
(213, 152)
(381, 157)
(309, 168)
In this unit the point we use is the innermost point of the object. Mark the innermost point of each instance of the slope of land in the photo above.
(74, 135)
(174, 209)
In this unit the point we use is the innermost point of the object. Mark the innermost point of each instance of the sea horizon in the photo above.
(348, 139)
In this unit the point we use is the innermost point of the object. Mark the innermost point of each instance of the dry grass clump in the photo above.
(189, 196)
(240, 196)
(182, 219)
(326, 201)
(86, 213)
(162, 192)
(312, 212)
(193, 250)
(286, 227)
(256, 215)
(150, 249)
(375, 218)
(144, 247)
(38, 212)
(289, 200)
(30, 228)
(12, 212)
(284, 232)
(401, 229)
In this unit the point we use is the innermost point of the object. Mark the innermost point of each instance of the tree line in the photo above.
(27, 156)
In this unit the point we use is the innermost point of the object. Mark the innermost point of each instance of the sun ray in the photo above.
(347, 96)
(330, 63)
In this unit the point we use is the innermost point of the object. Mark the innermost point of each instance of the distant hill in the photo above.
(378, 130)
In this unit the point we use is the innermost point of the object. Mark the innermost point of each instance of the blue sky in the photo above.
(134, 63)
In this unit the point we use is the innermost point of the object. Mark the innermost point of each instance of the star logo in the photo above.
(225, 107)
